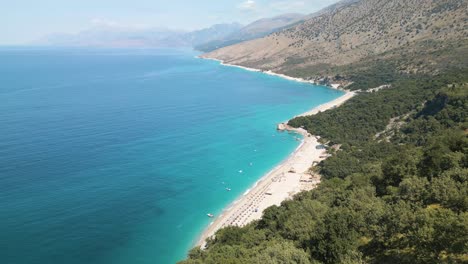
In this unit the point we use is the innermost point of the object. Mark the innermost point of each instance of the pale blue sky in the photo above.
(22, 21)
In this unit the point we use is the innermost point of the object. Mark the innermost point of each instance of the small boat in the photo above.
(228, 189)
(210, 215)
(241, 171)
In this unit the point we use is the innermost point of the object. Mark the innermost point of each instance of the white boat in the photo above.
(228, 189)
(210, 215)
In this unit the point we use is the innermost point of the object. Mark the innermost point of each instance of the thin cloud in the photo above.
(99, 22)
(248, 5)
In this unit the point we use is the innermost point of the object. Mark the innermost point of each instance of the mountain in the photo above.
(112, 37)
(350, 31)
(215, 32)
(332, 8)
(256, 29)
(130, 37)
(264, 25)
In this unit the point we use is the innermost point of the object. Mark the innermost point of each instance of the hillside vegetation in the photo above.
(401, 199)
(354, 31)
(396, 190)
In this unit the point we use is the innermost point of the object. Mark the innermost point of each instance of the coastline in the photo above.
(285, 180)
(296, 79)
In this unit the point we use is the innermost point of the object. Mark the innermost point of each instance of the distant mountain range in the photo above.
(256, 29)
(207, 39)
(122, 37)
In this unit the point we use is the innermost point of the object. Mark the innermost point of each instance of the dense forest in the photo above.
(391, 194)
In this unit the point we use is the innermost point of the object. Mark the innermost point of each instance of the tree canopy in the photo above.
(397, 198)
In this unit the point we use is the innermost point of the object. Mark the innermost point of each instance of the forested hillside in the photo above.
(387, 196)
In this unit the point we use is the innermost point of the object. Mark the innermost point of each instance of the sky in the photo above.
(23, 21)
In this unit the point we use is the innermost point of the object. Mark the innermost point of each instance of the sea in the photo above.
(118, 155)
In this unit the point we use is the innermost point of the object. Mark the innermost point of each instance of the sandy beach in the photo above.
(285, 180)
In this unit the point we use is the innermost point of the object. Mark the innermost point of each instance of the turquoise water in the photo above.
(116, 156)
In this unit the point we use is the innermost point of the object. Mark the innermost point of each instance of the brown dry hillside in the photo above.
(357, 31)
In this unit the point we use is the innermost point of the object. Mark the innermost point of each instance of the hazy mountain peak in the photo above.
(117, 36)
(256, 29)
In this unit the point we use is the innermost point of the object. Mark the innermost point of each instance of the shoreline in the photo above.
(296, 79)
(285, 180)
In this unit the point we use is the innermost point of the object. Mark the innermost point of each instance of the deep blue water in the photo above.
(116, 156)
